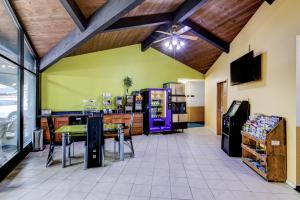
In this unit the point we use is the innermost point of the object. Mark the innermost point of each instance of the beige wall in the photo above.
(298, 104)
(272, 31)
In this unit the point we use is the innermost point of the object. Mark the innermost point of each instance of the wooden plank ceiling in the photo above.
(46, 23)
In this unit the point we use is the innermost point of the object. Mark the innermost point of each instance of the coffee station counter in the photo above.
(74, 117)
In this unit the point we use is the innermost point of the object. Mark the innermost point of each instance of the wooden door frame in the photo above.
(219, 100)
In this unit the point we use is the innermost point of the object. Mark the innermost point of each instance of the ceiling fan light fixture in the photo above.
(174, 42)
(167, 44)
(178, 47)
(182, 43)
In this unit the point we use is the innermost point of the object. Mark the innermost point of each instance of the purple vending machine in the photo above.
(157, 110)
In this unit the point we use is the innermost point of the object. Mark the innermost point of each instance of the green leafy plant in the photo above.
(127, 81)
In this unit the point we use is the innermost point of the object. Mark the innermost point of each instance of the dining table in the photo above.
(67, 131)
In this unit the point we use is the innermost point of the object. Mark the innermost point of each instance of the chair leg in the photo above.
(103, 150)
(69, 154)
(73, 149)
(131, 145)
(114, 149)
(50, 155)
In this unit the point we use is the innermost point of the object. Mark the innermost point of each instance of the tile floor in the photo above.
(179, 166)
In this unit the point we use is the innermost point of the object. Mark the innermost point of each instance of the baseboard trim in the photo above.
(211, 130)
(292, 185)
(297, 189)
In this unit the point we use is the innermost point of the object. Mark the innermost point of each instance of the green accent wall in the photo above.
(87, 76)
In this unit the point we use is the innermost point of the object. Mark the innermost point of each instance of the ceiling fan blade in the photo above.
(183, 30)
(188, 37)
(157, 41)
(166, 33)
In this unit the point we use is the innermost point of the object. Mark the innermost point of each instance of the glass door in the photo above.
(158, 104)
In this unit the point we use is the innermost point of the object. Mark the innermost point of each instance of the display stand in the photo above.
(270, 153)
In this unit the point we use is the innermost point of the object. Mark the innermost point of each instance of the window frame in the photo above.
(6, 168)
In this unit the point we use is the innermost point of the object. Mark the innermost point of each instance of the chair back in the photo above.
(131, 124)
(51, 129)
(95, 141)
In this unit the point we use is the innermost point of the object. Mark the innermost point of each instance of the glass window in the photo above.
(29, 58)
(9, 117)
(9, 35)
(29, 106)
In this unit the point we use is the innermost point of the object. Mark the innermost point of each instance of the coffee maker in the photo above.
(137, 101)
(119, 104)
(129, 100)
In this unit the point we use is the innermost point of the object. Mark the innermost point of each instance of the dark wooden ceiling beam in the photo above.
(111, 12)
(187, 9)
(206, 35)
(140, 21)
(75, 13)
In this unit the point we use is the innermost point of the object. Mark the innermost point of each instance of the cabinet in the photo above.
(137, 128)
(58, 122)
(179, 112)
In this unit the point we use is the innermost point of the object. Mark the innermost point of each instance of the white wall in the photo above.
(195, 88)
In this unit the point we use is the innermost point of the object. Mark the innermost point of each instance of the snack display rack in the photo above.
(265, 150)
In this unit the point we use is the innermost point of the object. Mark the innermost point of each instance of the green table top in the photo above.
(83, 128)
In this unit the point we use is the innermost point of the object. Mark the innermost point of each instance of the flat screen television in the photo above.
(245, 69)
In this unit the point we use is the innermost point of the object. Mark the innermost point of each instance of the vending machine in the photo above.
(157, 109)
(233, 121)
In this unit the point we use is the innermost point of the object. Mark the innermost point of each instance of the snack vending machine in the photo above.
(157, 108)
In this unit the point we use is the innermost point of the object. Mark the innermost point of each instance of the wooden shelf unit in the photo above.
(274, 158)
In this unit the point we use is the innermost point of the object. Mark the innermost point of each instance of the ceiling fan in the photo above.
(173, 39)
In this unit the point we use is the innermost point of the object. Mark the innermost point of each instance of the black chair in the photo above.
(127, 138)
(52, 142)
(94, 143)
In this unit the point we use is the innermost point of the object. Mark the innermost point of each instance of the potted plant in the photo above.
(127, 81)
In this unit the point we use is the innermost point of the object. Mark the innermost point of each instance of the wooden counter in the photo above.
(59, 121)
(137, 128)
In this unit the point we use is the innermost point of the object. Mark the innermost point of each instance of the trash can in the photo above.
(37, 140)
